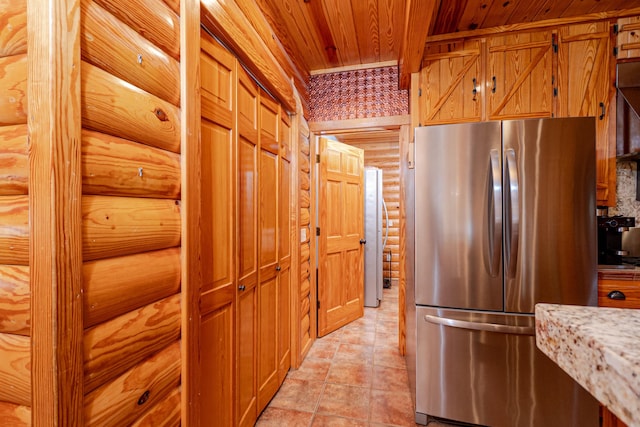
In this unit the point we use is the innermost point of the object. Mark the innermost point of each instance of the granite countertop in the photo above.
(599, 348)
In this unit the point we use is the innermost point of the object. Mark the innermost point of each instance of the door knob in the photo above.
(363, 241)
(278, 268)
(241, 287)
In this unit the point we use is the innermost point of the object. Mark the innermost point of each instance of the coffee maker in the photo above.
(610, 232)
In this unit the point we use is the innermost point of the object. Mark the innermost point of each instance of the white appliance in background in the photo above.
(375, 210)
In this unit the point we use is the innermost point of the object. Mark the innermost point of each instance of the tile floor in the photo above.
(354, 376)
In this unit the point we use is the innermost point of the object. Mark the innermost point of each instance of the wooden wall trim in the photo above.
(191, 250)
(418, 19)
(227, 21)
(55, 220)
(371, 123)
(598, 16)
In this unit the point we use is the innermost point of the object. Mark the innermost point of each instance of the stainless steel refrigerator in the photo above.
(504, 219)
(376, 220)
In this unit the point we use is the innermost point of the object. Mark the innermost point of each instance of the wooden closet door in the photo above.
(586, 88)
(519, 75)
(285, 233)
(218, 292)
(268, 251)
(247, 250)
(450, 83)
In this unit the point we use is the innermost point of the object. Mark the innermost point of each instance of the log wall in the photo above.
(131, 210)
(307, 312)
(15, 290)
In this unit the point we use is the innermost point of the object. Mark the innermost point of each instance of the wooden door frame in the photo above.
(402, 125)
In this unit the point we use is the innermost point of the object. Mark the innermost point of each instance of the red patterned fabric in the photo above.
(357, 94)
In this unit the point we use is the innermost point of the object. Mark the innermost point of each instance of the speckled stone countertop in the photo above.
(599, 348)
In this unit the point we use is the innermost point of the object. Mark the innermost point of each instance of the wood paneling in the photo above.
(14, 166)
(113, 106)
(114, 166)
(127, 397)
(15, 369)
(113, 347)
(15, 300)
(115, 286)
(116, 226)
(13, 90)
(115, 47)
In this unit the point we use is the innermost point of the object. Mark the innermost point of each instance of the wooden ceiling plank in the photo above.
(322, 28)
(366, 23)
(551, 9)
(499, 13)
(228, 22)
(340, 20)
(449, 14)
(263, 20)
(474, 15)
(391, 19)
(419, 18)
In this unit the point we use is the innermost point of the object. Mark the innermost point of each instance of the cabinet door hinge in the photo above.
(555, 91)
(554, 43)
(317, 158)
(419, 91)
(317, 231)
(615, 51)
(318, 304)
(615, 29)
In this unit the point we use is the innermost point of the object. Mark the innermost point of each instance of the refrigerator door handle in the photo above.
(386, 222)
(512, 212)
(475, 326)
(494, 213)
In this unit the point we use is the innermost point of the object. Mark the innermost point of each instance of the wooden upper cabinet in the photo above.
(450, 83)
(519, 81)
(628, 40)
(586, 87)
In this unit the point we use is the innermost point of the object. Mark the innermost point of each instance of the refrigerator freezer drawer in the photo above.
(484, 368)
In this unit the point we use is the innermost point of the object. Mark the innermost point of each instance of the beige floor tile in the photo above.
(332, 421)
(301, 395)
(277, 417)
(344, 401)
(350, 373)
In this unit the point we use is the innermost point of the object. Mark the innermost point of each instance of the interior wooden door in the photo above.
(519, 75)
(285, 233)
(218, 291)
(247, 250)
(586, 88)
(450, 83)
(268, 251)
(340, 257)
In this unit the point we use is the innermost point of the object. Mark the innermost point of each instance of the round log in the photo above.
(14, 230)
(15, 300)
(113, 46)
(117, 226)
(14, 164)
(15, 415)
(115, 107)
(115, 286)
(15, 369)
(117, 167)
(13, 27)
(13, 90)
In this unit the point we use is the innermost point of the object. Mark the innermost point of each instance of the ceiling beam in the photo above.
(419, 18)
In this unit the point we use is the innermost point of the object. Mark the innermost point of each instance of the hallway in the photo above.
(354, 376)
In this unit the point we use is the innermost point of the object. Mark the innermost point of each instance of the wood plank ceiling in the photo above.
(325, 35)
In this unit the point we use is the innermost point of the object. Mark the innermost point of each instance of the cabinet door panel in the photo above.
(451, 73)
(519, 75)
(628, 37)
(586, 88)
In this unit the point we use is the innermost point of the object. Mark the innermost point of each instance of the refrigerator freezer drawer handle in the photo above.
(489, 327)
